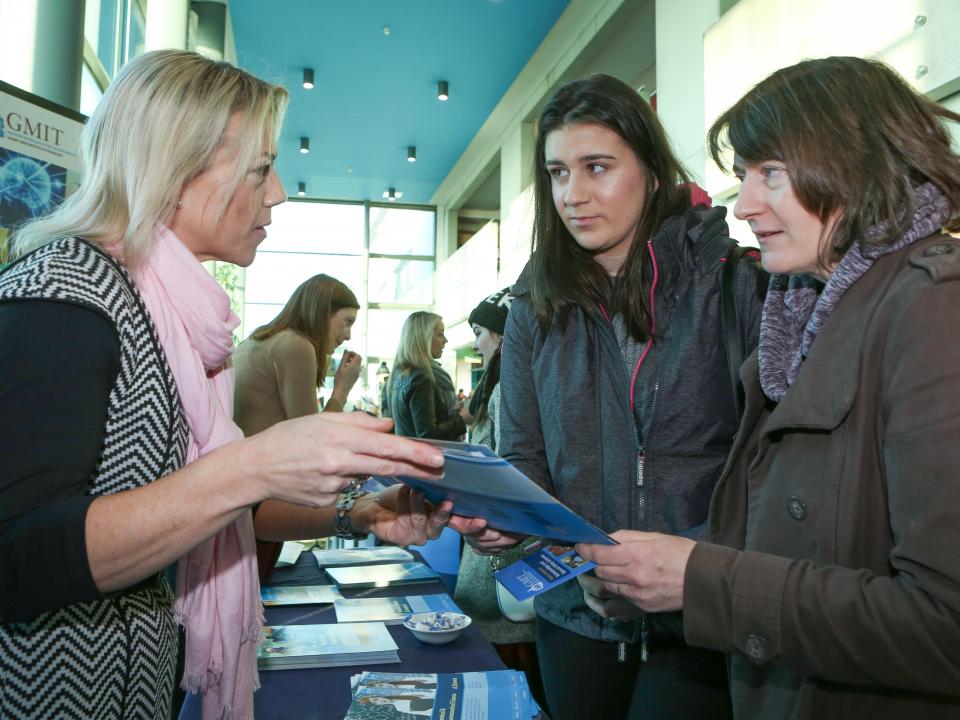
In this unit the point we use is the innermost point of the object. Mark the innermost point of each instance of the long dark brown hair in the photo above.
(308, 313)
(856, 140)
(564, 275)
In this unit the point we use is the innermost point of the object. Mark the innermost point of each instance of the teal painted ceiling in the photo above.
(375, 89)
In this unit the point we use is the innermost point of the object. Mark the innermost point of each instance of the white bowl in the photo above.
(437, 628)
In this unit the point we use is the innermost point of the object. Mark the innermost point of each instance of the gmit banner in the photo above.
(44, 132)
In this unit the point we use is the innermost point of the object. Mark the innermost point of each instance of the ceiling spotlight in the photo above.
(443, 91)
(411, 153)
(308, 78)
(386, 29)
(301, 189)
(304, 145)
(392, 195)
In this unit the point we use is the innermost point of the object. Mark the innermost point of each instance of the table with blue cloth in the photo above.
(324, 693)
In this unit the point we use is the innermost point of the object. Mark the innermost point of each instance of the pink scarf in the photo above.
(218, 593)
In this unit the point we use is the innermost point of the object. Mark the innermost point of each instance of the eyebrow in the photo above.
(584, 158)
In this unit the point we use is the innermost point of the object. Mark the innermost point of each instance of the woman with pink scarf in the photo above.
(120, 454)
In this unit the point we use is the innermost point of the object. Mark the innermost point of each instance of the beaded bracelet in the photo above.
(341, 524)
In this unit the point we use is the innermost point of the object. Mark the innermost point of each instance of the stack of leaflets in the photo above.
(299, 595)
(493, 695)
(308, 646)
(369, 576)
(360, 556)
(392, 610)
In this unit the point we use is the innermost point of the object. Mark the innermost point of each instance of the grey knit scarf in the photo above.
(796, 308)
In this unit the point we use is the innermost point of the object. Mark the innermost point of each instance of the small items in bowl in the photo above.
(437, 628)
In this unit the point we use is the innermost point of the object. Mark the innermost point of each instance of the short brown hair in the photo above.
(856, 140)
(308, 312)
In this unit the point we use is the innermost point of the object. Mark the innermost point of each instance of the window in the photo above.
(391, 275)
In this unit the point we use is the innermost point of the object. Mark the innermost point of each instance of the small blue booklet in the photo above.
(546, 568)
(391, 610)
(482, 484)
(491, 695)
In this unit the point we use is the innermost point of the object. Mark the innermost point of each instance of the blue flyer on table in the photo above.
(482, 484)
(546, 568)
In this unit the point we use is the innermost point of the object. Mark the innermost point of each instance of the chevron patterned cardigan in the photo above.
(114, 657)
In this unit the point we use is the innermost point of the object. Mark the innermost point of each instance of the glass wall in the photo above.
(386, 255)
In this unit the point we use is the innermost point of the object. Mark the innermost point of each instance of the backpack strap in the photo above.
(731, 318)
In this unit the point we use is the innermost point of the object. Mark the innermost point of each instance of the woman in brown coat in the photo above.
(831, 576)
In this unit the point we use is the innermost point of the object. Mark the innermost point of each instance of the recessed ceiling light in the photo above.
(301, 189)
(443, 90)
(308, 78)
(304, 145)
(386, 29)
(411, 153)
(392, 194)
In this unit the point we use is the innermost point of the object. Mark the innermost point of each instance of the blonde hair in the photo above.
(156, 128)
(308, 313)
(414, 349)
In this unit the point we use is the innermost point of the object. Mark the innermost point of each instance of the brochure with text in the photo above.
(306, 646)
(482, 484)
(491, 695)
(546, 568)
(299, 595)
(391, 610)
(368, 576)
(360, 556)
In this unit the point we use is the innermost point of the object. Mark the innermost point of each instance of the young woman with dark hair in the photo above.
(615, 388)
(831, 576)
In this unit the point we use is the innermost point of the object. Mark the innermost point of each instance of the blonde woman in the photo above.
(422, 399)
(125, 458)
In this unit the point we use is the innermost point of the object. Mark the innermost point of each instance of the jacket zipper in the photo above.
(641, 453)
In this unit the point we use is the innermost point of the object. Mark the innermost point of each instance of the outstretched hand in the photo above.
(645, 568)
(483, 539)
(400, 515)
(309, 460)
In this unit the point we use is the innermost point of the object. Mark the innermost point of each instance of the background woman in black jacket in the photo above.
(422, 399)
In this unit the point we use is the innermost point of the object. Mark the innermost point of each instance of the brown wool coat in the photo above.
(833, 573)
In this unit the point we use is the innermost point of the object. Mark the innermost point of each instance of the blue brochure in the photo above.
(544, 569)
(482, 484)
(490, 695)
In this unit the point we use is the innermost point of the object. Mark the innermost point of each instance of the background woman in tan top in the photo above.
(278, 370)
(281, 365)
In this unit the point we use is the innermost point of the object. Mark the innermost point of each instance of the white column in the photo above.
(516, 205)
(42, 48)
(680, 29)
(167, 24)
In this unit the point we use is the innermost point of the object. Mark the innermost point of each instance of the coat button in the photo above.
(755, 648)
(938, 249)
(796, 508)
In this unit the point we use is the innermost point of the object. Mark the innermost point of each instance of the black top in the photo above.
(58, 363)
(419, 408)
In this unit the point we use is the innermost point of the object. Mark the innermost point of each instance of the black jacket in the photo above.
(419, 407)
(565, 417)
